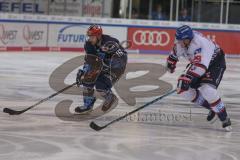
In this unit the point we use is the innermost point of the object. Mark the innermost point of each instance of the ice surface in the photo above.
(38, 134)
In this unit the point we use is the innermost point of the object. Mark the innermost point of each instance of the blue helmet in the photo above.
(184, 32)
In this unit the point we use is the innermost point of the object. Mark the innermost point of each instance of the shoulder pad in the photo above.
(110, 47)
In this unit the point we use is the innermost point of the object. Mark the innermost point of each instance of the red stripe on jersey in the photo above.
(215, 103)
(201, 66)
(193, 74)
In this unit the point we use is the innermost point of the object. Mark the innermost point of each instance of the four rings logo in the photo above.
(32, 35)
(154, 38)
(7, 35)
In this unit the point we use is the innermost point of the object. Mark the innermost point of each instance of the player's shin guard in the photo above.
(211, 115)
(219, 108)
(88, 101)
(110, 99)
(88, 105)
(199, 100)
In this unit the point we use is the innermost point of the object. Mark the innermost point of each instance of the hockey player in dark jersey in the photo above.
(114, 59)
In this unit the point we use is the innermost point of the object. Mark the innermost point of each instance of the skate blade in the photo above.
(84, 113)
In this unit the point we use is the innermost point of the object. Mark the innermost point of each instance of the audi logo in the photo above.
(154, 38)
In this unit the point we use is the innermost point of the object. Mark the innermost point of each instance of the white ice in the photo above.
(38, 134)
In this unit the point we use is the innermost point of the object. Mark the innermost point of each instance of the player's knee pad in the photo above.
(88, 91)
(200, 100)
(209, 93)
(189, 94)
(104, 93)
(104, 82)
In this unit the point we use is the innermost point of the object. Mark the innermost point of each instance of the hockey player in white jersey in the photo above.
(203, 74)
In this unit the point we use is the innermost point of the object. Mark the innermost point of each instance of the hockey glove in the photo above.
(184, 82)
(81, 73)
(171, 63)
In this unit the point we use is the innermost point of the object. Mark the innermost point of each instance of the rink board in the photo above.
(57, 33)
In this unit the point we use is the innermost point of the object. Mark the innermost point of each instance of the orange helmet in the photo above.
(94, 30)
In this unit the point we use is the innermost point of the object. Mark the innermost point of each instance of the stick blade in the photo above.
(96, 127)
(11, 112)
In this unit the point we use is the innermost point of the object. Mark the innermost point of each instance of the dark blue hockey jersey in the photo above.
(101, 53)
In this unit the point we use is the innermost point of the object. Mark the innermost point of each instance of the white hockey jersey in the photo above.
(201, 50)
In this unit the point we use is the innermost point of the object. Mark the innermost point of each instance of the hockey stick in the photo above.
(96, 127)
(14, 112)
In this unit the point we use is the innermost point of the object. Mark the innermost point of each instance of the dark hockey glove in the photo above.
(184, 82)
(81, 73)
(171, 63)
